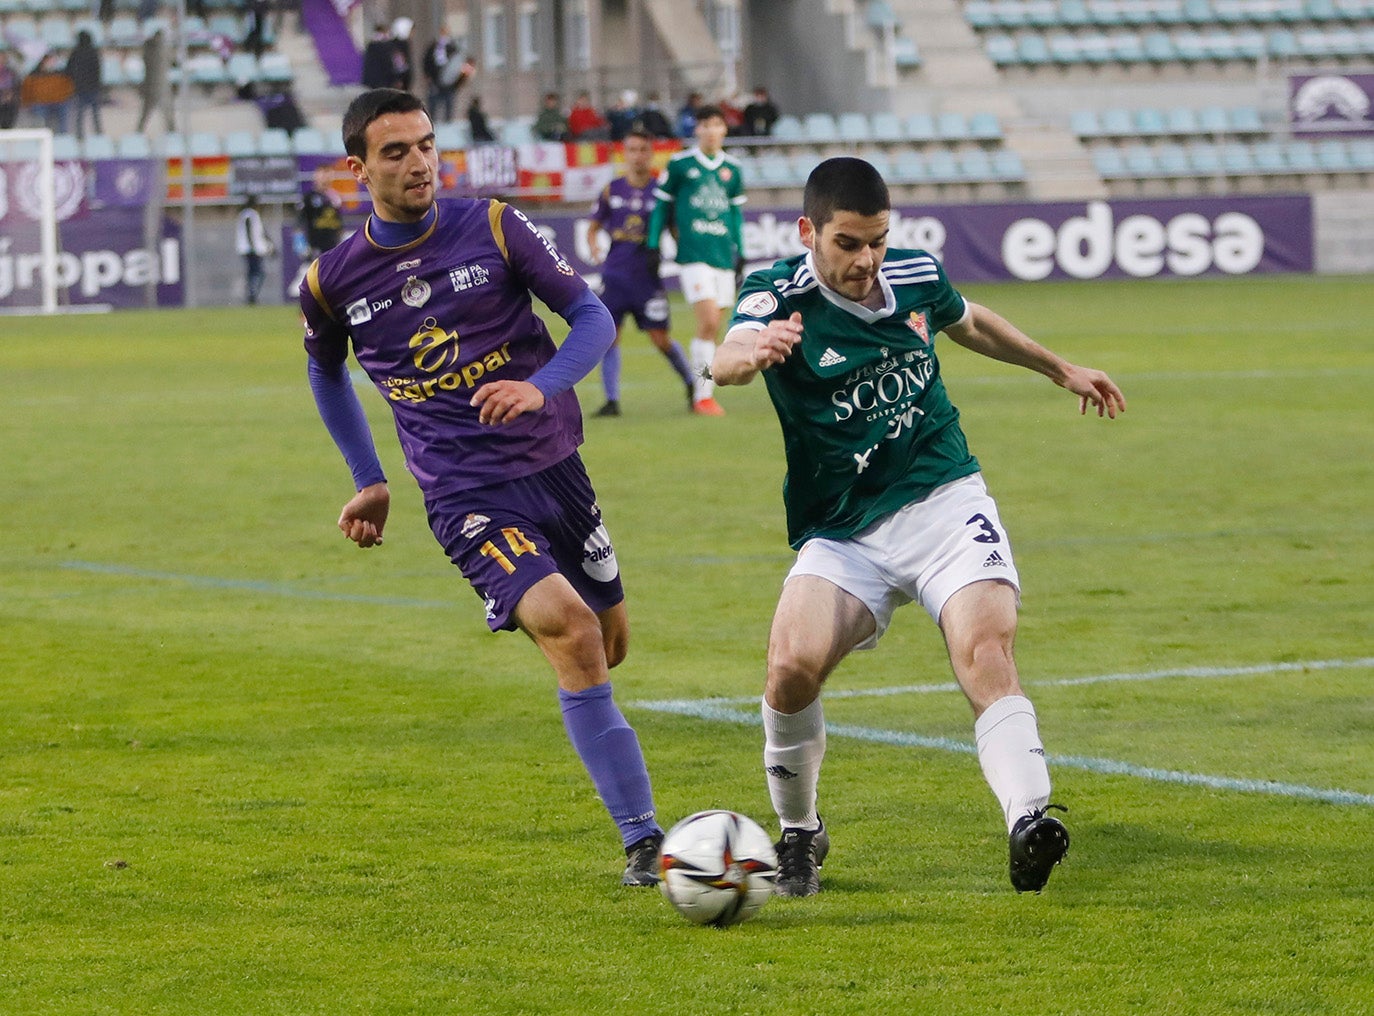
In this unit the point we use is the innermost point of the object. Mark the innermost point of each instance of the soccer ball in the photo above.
(718, 867)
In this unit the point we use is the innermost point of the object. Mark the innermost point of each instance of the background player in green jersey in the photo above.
(699, 196)
(885, 504)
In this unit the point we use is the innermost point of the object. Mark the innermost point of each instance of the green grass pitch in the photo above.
(248, 768)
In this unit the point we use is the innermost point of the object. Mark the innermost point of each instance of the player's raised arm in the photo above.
(992, 335)
(748, 349)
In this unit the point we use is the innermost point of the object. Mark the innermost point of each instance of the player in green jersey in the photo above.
(699, 196)
(885, 504)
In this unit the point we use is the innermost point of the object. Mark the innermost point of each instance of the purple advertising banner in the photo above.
(1331, 104)
(1136, 239)
(102, 260)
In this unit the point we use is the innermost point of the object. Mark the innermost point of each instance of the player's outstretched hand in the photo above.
(503, 401)
(1095, 388)
(774, 342)
(364, 517)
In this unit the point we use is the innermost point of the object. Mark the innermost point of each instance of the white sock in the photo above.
(702, 351)
(794, 745)
(1012, 757)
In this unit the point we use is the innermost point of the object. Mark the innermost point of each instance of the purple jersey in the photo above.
(623, 212)
(433, 320)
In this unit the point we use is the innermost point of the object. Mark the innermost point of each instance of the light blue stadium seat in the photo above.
(1282, 44)
(1042, 14)
(133, 146)
(1333, 156)
(1245, 120)
(975, 165)
(887, 128)
(517, 132)
(1000, 49)
(774, 171)
(820, 128)
(240, 143)
(788, 128)
(1105, 13)
(1197, 12)
(880, 162)
(1064, 50)
(94, 27)
(1191, 47)
(1109, 164)
(98, 146)
(1117, 123)
(450, 137)
(1204, 159)
(1140, 161)
(942, 166)
(984, 127)
(1249, 43)
(1213, 120)
(920, 127)
(854, 127)
(1171, 160)
(1159, 48)
(274, 141)
(1220, 45)
(65, 148)
(905, 53)
(1361, 151)
(1007, 166)
(1074, 14)
(801, 166)
(206, 145)
(1149, 122)
(1345, 42)
(1096, 48)
(1321, 10)
(207, 70)
(275, 68)
(879, 15)
(1126, 47)
(242, 68)
(1084, 123)
(1009, 13)
(111, 70)
(1168, 12)
(124, 32)
(1302, 156)
(952, 126)
(1237, 159)
(1181, 121)
(980, 14)
(909, 167)
(1033, 51)
(171, 145)
(1269, 157)
(56, 34)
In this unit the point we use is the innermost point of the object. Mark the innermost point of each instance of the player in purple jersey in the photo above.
(629, 272)
(434, 298)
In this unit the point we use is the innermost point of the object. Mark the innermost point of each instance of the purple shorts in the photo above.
(648, 306)
(507, 536)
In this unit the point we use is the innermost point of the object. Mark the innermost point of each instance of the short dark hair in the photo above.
(843, 184)
(706, 112)
(639, 132)
(368, 107)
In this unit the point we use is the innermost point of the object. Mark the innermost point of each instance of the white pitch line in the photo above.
(1075, 682)
(720, 709)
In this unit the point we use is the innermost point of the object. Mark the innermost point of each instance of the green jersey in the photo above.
(867, 425)
(703, 197)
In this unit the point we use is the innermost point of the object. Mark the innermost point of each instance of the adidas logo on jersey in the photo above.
(830, 358)
(994, 561)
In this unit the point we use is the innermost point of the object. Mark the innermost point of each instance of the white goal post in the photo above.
(20, 148)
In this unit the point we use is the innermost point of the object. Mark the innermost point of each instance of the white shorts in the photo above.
(704, 282)
(926, 552)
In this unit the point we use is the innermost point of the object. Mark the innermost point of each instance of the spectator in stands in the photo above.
(687, 116)
(443, 69)
(280, 110)
(760, 115)
(477, 122)
(47, 93)
(584, 122)
(319, 217)
(621, 116)
(10, 81)
(83, 67)
(147, 9)
(652, 120)
(256, 39)
(733, 114)
(402, 62)
(550, 124)
(378, 68)
(251, 241)
(153, 90)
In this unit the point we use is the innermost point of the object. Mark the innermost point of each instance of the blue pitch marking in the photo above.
(721, 710)
(250, 586)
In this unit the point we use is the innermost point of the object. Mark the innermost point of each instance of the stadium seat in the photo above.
(984, 127)
(887, 128)
(1269, 158)
(206, 145)
(1001, 50)
(240, 143)
(788, 128)
(124, 32)
(952, 127)
(1009, 13)
(1245, 120)
(1064, 50)
(1140, 161)
(1084, 123)
(1213, 120)
(909, 167)
(1033, 51)
(1116, 123)
(1126, 47)
(879, 15)
(1204, 159)
(1159, 48)
(1149, 122)
(56, 34)
(275, 68)
(1042, 14)
(1181, 121)
(1282, 44)
(242, 68)
(880, 162)
(943, 167)
(980, 14)
(1074, 14)
(820, 128)
(1109, 164)
(854, 127)
(274, 141)
(1007, 166)
(133, 146)
(1237, 159)
(975, 166)
(1333, 156)
(920, 127)
(207, 70)
(1171, 161)
(905, 53)
(1361, 152)
(65, 148)
(774, 171)
(98, 146)
(450, 137)
(1302, 156)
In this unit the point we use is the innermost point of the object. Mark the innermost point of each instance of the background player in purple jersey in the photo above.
(629, 272)
(434, 298)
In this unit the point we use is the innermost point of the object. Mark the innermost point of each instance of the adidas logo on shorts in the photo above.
(994, 561)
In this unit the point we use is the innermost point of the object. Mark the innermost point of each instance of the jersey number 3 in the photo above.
(987, 531)
(517, 541)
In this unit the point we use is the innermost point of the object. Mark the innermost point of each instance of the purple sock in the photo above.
(610, 373)
(678, 359)
(609, 749)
